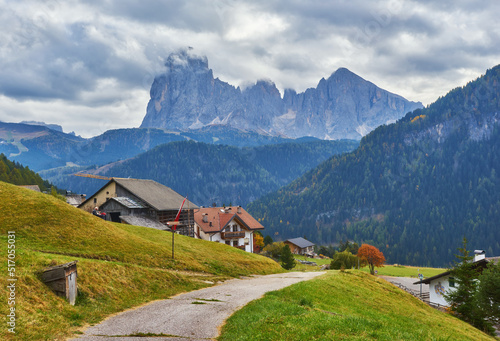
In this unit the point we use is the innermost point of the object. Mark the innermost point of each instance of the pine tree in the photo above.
(287, 259)
(463, 301)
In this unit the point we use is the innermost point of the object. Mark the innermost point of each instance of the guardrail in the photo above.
(424, 297)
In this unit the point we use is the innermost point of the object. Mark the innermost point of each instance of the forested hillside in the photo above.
(413, 188)
(15, 173)
(216, 173)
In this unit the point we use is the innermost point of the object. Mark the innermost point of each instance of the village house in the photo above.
(300, 246)
(230, 225)
(444, 282)
(142, 203)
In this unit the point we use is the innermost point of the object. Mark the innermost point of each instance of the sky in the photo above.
(89, 65)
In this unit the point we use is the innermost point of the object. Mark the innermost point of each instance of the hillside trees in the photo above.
(488, 293)
(15, 173)
(372, 256)
(220, 173)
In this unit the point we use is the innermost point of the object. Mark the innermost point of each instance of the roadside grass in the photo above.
(386, 270)
(405, 271)
(119, 266)
(344, 305)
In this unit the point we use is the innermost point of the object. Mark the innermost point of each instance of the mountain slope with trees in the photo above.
(42, 148)
(414, 188)
(17, 174)
(216, 173)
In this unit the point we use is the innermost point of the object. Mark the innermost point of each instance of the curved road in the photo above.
(195, 315)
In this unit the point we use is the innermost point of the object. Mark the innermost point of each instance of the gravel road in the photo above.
(181, 318)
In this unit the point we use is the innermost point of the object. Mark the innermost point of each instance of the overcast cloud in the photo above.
(88, 66)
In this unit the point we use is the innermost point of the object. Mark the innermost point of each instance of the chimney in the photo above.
(239, 210)
(479, 254)
(205, 217)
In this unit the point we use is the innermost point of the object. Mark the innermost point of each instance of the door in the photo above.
(72, 288)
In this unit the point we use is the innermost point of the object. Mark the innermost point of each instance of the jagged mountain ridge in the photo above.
(187, 96)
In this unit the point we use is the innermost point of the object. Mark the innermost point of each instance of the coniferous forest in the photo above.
(414, 188)
(15, 173)
(218, 174)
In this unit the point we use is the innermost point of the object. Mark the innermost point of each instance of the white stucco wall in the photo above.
(241, 241)
(437, 288)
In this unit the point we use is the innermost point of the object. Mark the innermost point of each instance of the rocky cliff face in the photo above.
(187, 96)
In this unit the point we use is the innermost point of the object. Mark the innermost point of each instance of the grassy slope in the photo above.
(338, 306)
(119, 266)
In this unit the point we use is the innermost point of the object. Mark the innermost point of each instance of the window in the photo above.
(228, 242)
(452, 282)
(95, 200)
(235, 242)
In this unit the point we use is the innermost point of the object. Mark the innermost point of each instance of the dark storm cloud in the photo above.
(189, 15)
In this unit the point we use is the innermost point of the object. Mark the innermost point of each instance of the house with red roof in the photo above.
(229, 225)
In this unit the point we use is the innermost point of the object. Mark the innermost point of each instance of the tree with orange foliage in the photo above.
(371, 255)
(258, 242)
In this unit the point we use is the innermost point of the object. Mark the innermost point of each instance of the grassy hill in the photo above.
(344, 306)
(119, 266)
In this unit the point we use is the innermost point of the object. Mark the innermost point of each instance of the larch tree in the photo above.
(371, 256)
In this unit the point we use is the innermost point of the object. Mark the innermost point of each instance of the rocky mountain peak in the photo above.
(186, 60)
(345, 105)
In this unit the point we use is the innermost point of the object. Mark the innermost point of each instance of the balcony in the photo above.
(231, 235)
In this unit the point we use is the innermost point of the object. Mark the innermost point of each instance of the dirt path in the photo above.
(195, 315)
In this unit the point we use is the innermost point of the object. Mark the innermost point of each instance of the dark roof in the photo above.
(300, 242)
(154, 194)
(479, 263)
(127, 202)
(160, 197)
(219, 217)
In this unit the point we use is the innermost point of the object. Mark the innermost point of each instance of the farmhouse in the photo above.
(300, 246)
(230, 225)
(141, 202)
(444, 282)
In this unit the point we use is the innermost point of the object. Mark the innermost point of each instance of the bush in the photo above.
(273, 250)
(343, 259)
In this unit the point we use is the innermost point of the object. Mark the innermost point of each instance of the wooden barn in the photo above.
(141, 202)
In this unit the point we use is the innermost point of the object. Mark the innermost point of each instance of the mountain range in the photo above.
(414, 188)
(42, 148)
(344, 106)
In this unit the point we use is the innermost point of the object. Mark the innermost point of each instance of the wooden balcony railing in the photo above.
(229, 235)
